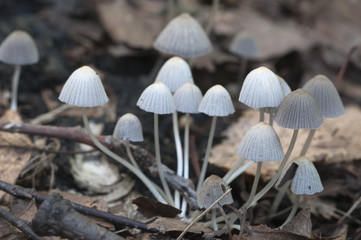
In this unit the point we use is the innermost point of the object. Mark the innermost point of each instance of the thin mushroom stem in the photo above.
(122, 161)
(255, 184)
(277, 175)
(293, 210)
(308, 142)
(178, 145)
(186, 159)
(233, 169)
(14, 88)
(261, 114)
(226, 221)
(159, 162)
(271, 116)
(239, 172)
(214, 222)
(202, 214)
(208, 152)
(130, 155)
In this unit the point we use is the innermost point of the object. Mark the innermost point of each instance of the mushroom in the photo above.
(129, 128)
(85, 89)
(183, 36)
(158, 99)
(187, 99)
(328, 100)
(298, 110)
(262, 90)
(18, 49)
(216, 103)
(212, 189)
(245, 46)
(305, 180)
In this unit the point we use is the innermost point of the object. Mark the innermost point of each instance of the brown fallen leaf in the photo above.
(263, 232)
(170, 225)
(337, 140)
(300, 224)
(150, 208)
(13, 159)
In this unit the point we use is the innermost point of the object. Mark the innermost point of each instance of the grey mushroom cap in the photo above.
(261, 89)
(298, 110)
(157, 98)
(183, 36)
(174, 73)
(187, 98)
(84, 89)
(326, 96)
(19, 48)
(244, 45)
(304, 175)
(216, 102)
(212, 189)
(261, 144)
(129, 128)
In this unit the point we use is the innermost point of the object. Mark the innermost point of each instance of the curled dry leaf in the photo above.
(175, 225)
(337, 140)
(14, 151)
(300, 224)
(150, 208)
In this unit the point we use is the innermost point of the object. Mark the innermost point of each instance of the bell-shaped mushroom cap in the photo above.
(174, 73)
(216, 102)
(129, 128)
(157, 98)
(286, 89)
(298, 110)
(261, 144)
(305, 178)
(244, 45)
(261, 88)
(84, 89)
(184, 37)
(212, 189)
(187, 98)
(326, 96)
(19, 48)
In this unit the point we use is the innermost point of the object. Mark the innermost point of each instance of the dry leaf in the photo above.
(337, 140)
(24, 209)
(170, 225)
(300, 224)
(150, 208)
(125, 21)
(13, 158)
(262, 232)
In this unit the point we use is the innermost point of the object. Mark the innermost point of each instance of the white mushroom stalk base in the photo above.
(255, 184)
(150, 185)
(178, 146)
(186, 159)
(14, 88)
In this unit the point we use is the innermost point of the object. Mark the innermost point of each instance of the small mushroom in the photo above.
(18, 49)
(216, 103)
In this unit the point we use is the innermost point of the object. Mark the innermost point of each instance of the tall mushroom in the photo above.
(18, 49)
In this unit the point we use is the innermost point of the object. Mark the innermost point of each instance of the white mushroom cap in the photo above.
(216, 102)
(174, 73)
(244, 45)
(261, 144)
(157, 98)
(84, 89)
(261, 88)
(187, 98)
(129, 128)
(298, 110)
(306, 179)
(184, 37)
(19, 48)
(286, 88)
(212, 189)
(326, 96)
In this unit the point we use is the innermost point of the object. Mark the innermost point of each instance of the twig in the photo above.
(20, 224)
(20, 192)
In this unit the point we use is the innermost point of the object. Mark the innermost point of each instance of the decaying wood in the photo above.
(57, 217)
